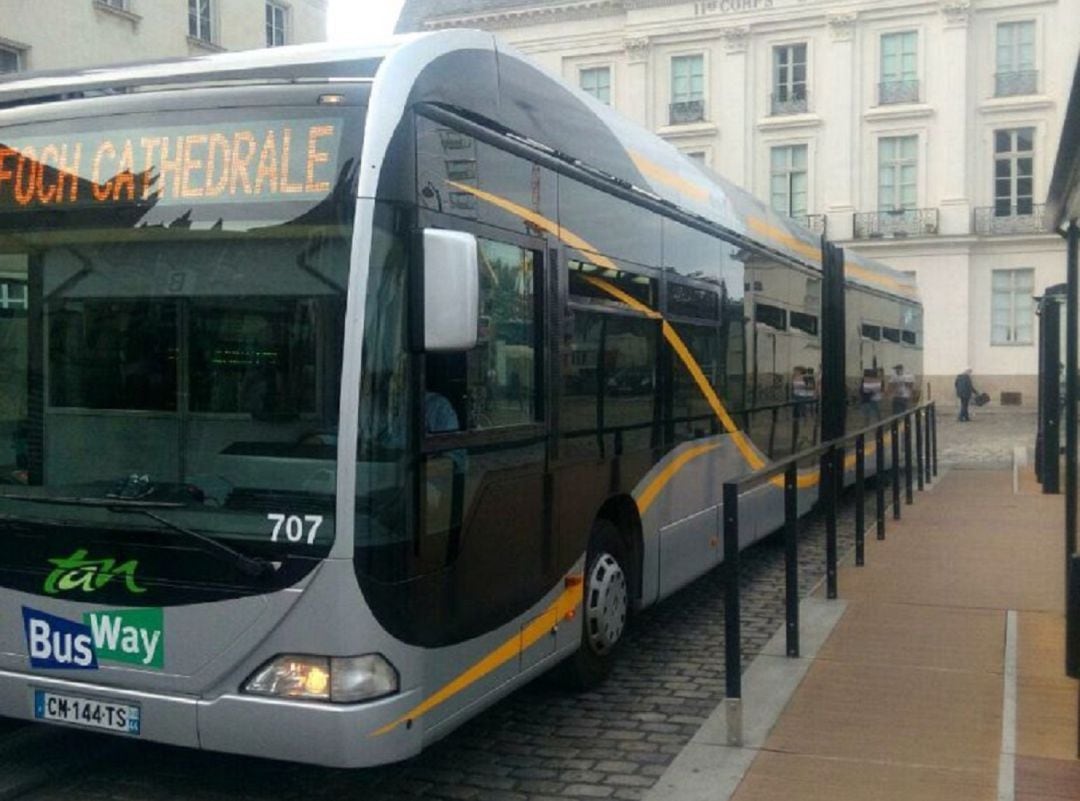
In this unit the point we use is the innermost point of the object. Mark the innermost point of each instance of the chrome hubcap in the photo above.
(605, 604)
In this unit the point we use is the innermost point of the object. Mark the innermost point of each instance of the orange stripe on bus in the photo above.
(542, 626)
(651, 169)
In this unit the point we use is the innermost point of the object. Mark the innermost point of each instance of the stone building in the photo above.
(921, 132)
(60, 34)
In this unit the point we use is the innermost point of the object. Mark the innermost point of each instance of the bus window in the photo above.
(772, 316)
(610, 383)
(452, 166)
(693, 415)
(109, 354)
(807, 323)
(14, 306)
(494, 384)
(591, 283)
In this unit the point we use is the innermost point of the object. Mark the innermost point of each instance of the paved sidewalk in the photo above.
(988, 441)
(943, 679)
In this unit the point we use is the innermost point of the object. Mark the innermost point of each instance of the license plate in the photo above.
(88, 712)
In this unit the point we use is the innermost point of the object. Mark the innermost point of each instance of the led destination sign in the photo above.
(271, 160)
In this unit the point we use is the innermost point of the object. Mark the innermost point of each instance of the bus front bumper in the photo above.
(323, 734)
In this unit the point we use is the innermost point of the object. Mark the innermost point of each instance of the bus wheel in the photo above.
(606, 607)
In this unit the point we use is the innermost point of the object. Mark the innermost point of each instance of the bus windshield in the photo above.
(172, 303)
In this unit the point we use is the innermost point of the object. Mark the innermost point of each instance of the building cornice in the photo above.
(528, 15)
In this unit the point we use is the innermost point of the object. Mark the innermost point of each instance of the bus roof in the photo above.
(647, 162)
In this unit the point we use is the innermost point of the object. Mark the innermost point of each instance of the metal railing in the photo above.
(830, 456)
(686, 111)
(896, 223)
(890, 92)
(789, 102)
(999, 220)
(1017, 82)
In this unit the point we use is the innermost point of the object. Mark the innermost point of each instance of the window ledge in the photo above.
(688, 129)
(202, 44)
(123, 13)
(1016, 103)
(1012, 344)
(781, 122)
(898, 111)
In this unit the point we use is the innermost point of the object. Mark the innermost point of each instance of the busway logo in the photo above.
(129, 636)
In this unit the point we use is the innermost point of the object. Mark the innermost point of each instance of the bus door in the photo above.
(483, 492)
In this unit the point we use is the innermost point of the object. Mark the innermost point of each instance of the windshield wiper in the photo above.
(253, 566)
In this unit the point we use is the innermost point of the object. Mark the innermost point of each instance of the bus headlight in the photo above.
(342, 680)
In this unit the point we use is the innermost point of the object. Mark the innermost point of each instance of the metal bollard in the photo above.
(1072, 618)
(879, 485)
(860, 499)
(732, 617)
(830, 479)
(908, 495)
(933, 420)
(918, 450)
(928, 459)
(791, 558)
(896, 470)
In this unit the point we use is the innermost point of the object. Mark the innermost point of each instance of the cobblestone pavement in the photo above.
(988, 440)
(541, 742)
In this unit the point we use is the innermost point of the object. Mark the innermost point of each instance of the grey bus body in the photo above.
(244, 508)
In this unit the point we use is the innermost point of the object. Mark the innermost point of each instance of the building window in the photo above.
(787, 180)
(698, 156)
(899, 68)
(897, 172)
(199, 14)
(789, 79)
(10, 60)
(1014, 167)
(596, 81)
(687, 89)
(275, 25)
(1016, 73)
(1013, 307)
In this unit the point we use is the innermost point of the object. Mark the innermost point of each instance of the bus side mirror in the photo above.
(451, 290)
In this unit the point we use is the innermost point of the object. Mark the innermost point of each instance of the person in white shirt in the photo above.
(902, 388)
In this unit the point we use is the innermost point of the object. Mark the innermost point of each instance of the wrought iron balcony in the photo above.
(890, 92)
(1025, 218)
(1017, 82)
(687, 111)
(818, 223)
(898, 223)
(793, 101)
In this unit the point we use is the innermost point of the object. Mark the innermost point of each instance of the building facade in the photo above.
(62, 34)
(921, 132)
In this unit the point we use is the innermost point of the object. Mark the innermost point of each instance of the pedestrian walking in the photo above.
(965, 391)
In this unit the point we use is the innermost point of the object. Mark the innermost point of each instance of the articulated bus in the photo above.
(347, 389)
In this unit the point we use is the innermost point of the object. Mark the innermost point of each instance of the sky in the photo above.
(356, 20)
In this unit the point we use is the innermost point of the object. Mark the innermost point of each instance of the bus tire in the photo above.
(605, 608)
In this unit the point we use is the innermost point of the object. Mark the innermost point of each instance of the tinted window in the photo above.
(807, 323)
(494, 384)
(772, 316)
(608, 225)
(618, 288)
(452, 167)
(610, 384)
